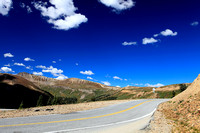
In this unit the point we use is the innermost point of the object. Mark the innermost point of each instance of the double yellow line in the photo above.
(38, 123)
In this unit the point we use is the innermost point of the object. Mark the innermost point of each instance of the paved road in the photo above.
(84, 121)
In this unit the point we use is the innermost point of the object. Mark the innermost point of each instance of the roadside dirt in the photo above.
(159, 124)
(58, 109)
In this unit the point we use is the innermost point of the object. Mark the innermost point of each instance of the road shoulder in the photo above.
(158, 123)
(58, 109)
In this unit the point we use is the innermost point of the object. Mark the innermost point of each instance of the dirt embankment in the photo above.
(184, 109)
(57, 109)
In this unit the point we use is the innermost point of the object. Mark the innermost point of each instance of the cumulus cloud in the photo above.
(136, 84)
(29, 67)
(89, 72)
(168, 32)
(5, 6)
(62, 77)
(76, 64)
(129, 43)
(38, 73)
(118, 4)
(53, 71)
(8, 55)
(61, 14)
(28, 59)
(8, 65)
(28, 8)
(41, 66)
(154, 85)
(156, 35)
(195, 23)
(68, 22)
(6, 69)
(90, 78)
(116, 77)
(106, 83)
(19, 64)
(53, 61)
(149, 40)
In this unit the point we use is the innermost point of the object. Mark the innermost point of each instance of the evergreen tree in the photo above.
(39, 101)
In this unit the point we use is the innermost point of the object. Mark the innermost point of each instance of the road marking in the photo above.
(38, 123)
(98, 126)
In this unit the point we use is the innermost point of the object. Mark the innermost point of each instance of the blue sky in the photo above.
(115, 42)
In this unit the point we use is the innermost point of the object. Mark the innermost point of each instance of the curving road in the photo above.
(135, 113)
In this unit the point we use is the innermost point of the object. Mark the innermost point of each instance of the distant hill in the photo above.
(26, 87)
(15, 90)
(168, 91)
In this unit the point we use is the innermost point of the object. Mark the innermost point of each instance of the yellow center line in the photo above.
(75, 119)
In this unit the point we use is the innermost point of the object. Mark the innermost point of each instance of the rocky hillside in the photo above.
(16, 91)
(184, 109)
(70, 82)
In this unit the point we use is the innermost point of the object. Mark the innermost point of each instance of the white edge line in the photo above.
(68, 130)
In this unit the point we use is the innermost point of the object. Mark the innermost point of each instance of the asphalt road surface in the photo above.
(97, 120)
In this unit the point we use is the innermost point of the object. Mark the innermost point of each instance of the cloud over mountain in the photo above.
(89, 72)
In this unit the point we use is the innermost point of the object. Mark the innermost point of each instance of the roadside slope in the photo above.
(184, 109)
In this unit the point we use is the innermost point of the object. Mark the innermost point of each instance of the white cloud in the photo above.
(28, 8)
(62, 77)
(168, 32)
(156, 35)
(90, 78)
(89, 72)
(28, 59)
(8, 55)
(136, 84)
(62, 14)
(5, 6)
(41, 66)
(53, 61)
(125, 79)
(76, 64)
(38, 73)
(195, 23)
(106, 83)
(116, 77)
(154, 85)
(8, 65)
(29, 67)
(69, 22)
(149, 40)
(53, 71)
(19, 64)
(118, 4)
(129, 43)
(6, 69)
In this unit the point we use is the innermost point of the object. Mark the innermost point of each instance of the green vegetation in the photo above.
(21, 105)
(39, 101)
(65, 95)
